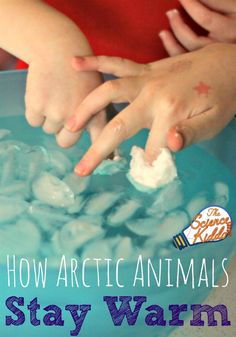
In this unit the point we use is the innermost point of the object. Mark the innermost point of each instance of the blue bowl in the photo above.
(98, 322)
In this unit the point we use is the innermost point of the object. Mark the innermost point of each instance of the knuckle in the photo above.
(170, 104)
(56, 114)
(57, 118)
(34, 120)
(110, 85)
(62, 142)
(150, 89)
(118, 127)
(48, 131)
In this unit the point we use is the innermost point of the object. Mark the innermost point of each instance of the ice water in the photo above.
(43, 204)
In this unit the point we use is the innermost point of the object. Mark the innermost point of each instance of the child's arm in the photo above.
(47, 40)
(215, 16)
(182, 100)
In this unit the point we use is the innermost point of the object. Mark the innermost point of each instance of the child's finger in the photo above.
(116, 66)
(123, 126)
(170, 43)
(227, 7)
(96, 125)
(34, 118)
(195, 129)
(205, 17)
(66, 138)
(51, 126)
(184, 34)
(156, 139)
(114, 91)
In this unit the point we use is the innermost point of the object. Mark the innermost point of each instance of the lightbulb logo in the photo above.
(212, 224)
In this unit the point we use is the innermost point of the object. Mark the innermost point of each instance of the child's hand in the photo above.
(53, 92)
(215, 16)
(182, 100)
(47, 40)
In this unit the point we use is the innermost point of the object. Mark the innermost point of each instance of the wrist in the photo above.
(63, 43)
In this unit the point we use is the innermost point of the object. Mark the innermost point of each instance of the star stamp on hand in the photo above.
(202, 88)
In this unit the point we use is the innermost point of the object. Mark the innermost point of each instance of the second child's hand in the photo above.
(182, 100)
(217, 17)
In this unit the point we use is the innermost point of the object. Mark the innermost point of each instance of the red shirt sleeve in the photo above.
(121, 27)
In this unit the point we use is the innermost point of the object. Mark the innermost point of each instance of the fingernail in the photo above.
(76, 61)
(179, 137)
(162, 34)
(175, 139)
(170, 14)
(81, 169)
(79, 59)
(71, 124)
(187, 133)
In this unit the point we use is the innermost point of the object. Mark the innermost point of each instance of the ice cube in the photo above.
(171, 225)
(99, 203)
(77, 184)
(32, 162)
(111, 166)
(15, 187)
(52, 191)
(75, 234)
(60, 163)
(123, 212)
(19, 189)
(124, 249)
(97, 220)
(4, 133)
(197, 204)
(221, 194)
(9, 167)
(143, 226)
(22, 238)
(8, 145)
(10, 208)
(47, 217)
(97, 250)
(167, 199)
(77, 206)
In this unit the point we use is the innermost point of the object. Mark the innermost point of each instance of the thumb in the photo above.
(193, 130)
